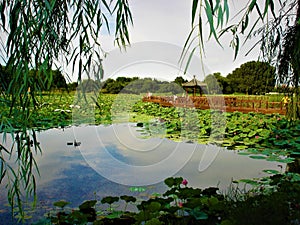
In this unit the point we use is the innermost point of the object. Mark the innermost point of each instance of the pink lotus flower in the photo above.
(256, 136)
(184, 182)
(180, 204)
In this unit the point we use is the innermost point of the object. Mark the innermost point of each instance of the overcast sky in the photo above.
(159, 32)
(157, 37)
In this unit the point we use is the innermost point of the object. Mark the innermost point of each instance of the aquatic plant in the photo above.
(181, 204)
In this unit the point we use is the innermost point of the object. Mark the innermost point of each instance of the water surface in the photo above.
(110, 159)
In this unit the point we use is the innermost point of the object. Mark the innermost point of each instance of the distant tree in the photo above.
(252, 78)
(113, 87)
(88, 85)
(72, 86)
(41, 83)
(179, 80)
(223, 83)
(216, 83)
(59, 80)
(170, 87)
(5, 77)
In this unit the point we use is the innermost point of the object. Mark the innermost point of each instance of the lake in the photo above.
(108, 160)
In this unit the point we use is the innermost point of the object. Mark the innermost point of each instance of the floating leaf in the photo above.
(198, 214)
(286, 160)
(271, 171)
(257, 157)
(109, 200)
(127, 198)
(114, 215)
(87, 204)
(137, 189)
(61, 203)
(249, 181)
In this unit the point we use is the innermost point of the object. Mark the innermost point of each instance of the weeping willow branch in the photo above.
(275, 23)
(36, 36)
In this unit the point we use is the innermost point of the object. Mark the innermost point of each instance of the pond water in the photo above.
(108, 160)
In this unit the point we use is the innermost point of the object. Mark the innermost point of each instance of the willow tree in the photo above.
(36, 35)
(275, 24)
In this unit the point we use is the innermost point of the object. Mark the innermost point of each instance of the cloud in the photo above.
(170, 22)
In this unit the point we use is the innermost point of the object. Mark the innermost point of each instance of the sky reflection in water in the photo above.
(118, 153)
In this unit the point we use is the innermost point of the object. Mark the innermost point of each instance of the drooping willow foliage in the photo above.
(37, 35)
(276, 25)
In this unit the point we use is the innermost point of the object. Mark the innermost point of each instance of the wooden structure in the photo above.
(195, 84)
(228, 104)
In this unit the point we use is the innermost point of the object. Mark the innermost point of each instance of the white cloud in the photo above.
(170, 22)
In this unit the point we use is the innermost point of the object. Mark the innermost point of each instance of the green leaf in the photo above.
(249, 181)
(194, 10)
(251, 6)
(257, 157)
(286, 160)
(209, 15)
(198, 214)
(87, 204)
(220, 17)
(109, 200)
(189, 59)
(252, 133)
(271, 171)
(61, 203)
(236, 46)
(137, 189)
(114, 215)
(226, 9)
(127, 198)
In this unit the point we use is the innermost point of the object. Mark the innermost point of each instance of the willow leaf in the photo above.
(237, 46)
(187, 44)
(194, 10)
(226, 10)
(210, 18)
(251, 6)
(189, 59)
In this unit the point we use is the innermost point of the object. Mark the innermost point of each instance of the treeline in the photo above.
(56, 81)
(133, 85)
(250, 78)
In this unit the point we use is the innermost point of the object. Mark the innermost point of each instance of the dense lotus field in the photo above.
(271, 137)
(273, 200)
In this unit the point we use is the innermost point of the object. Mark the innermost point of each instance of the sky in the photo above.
(159, 31)
(157, 38)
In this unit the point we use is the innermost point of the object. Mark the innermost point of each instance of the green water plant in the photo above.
(270, 200)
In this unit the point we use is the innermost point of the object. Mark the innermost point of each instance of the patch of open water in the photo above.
(108, 160)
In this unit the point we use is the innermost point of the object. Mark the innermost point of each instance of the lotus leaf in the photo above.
(61, 204)
(271, 171)
(257, 157)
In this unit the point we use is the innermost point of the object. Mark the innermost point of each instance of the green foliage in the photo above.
(61, 204)
(252, 78)
(180, 80)
(36, 35)
(136, 85)
(273, 200)
(270, 135)
(275, 23)
(265, 137)
(216, 84)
